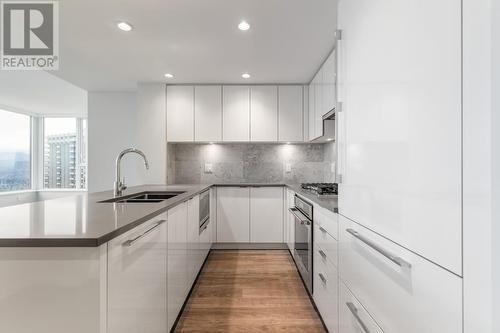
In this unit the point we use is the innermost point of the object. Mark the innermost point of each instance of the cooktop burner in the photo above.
(321, 188)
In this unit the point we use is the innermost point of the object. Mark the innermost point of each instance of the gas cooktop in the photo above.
(321, 188)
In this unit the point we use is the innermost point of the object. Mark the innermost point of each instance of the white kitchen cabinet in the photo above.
(318, 103)
(193, 244)
(311, 109)
(402, 291)
(266, 214)
(353, 316)
(137, 279)
(290, 219)
(207, 113)
(329, 86)
(290, 113)
(326, 290)
(177, 276)
(264, 113)
(180, 113)
(236, 113)
(233, 214)
(400, 147)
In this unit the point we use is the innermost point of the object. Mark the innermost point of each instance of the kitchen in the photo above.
(250, 166)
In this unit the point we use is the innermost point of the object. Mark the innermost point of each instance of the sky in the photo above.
(15, 130)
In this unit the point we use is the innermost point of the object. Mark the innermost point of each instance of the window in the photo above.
(65, 153)
(15, 151)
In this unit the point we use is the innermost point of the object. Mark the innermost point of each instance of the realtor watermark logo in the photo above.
(30, 35)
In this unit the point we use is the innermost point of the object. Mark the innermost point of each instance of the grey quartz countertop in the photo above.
(82, 221)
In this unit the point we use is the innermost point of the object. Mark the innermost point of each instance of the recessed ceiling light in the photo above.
(245, 75)
(169, 76)
(124, 26)
(244, 26)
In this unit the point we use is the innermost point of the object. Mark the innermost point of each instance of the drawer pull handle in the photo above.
(395, 259)
(322, 229)
(323, 254)
(131, 242)
(354, 312)
(322, 277)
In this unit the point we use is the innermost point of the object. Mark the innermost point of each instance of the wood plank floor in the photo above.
(249, 291)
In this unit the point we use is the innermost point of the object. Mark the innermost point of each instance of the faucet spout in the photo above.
(119, 184)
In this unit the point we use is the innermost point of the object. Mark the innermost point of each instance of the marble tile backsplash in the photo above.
(240, 163)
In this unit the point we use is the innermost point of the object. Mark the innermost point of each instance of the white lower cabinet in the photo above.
(193, 244)
(326, 290)
(401, 290)
(177, 276)
(266, 214)
(353, 318)
(137, 279)
(233, 215)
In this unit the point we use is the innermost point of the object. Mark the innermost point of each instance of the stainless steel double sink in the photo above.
(144, 197)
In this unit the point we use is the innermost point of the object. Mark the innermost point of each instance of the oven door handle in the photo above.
(299, 216)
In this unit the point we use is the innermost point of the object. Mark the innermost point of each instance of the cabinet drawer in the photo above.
(326, 220)
(326, 293)
(401, 290)
(353, 317)
(325, 243)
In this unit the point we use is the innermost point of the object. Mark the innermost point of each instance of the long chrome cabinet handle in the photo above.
(322, 277)
(131, 242)
(322, 229)
(354, 312)
(297, 214)
(395, 259)
(322, 253)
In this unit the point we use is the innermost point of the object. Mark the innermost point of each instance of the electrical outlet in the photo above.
(208, 167)
(288, 167)
(332, 167)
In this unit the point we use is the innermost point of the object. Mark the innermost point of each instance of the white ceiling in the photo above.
(196, 40)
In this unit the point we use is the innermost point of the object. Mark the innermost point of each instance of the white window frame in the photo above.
(37, 141)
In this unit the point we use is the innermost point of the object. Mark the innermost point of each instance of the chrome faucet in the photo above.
(120, 184)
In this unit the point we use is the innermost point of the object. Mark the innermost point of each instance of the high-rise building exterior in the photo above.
(60, 160)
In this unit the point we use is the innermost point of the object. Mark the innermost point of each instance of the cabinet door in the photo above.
(177, 277)
(328, 86)
(290, 112)
(266, 215)
(353, 317)
(264, 113)
(208, 113)
(137, 279)
(236, 113)
(180, 113)
(233, 209)
(193, 245)
(402, 138)
(311, 110)
(318, 103)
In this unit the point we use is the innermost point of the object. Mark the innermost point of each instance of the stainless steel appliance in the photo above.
(328, 130)
(302, 252)
(204, 210)
(321, 189)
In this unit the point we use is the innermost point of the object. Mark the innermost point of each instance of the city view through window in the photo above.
(15, 146)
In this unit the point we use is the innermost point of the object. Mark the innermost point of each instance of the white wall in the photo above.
(112, 128)
(41, 93)
(495, 150)
(151, 131)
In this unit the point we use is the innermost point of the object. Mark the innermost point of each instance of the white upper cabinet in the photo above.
(401, 128)
(266, 214)
(208, 113)
(264, 113)
(318, 103)
(328, 86)
(290, 112)
(311, 109)
(236, 113)
(180, 113)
